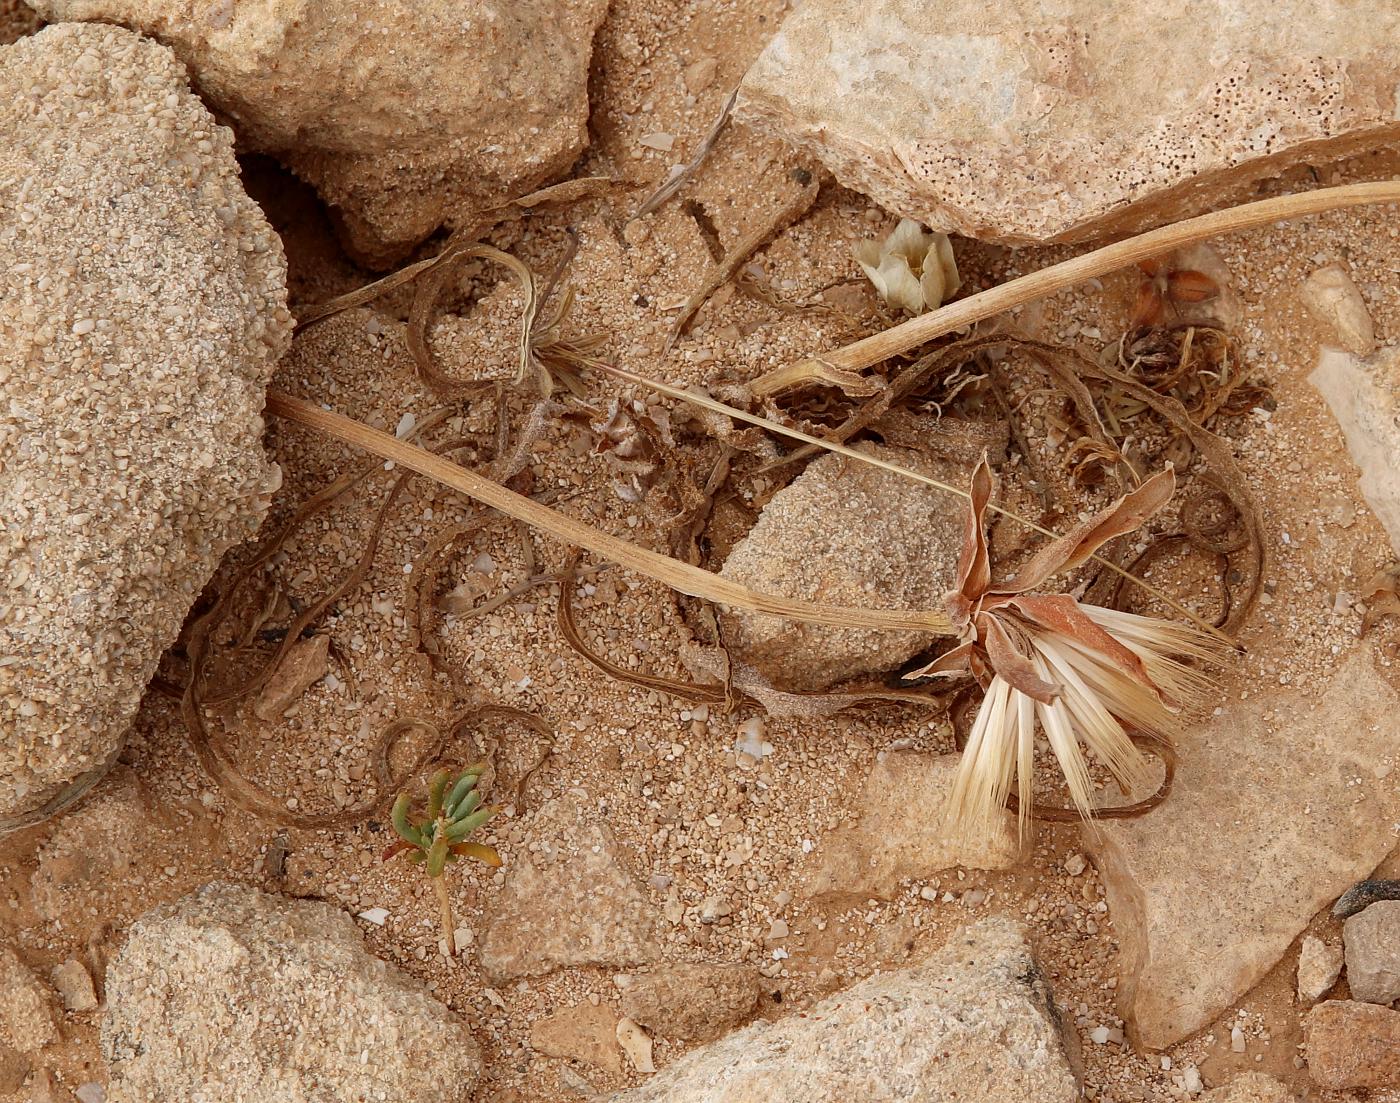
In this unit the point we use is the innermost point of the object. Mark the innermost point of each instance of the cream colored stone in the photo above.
(235, 994)
(1251, 1087)
(1319, 965)
(846, 533)
(1364, 397)
(304, 665)
(1268, 823)
(1335, 300)
(403, 114)
(691, 1002)
(73, 983)
(582, 1032)
(976, 1022)
(1372, 938)
(142, 309)
(1029, 121)
(28, 1011)
(900, 832)
(568, 900)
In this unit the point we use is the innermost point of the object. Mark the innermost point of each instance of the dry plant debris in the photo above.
(913, 269)
(1085, 673)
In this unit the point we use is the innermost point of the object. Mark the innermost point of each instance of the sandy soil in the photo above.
(694, 822)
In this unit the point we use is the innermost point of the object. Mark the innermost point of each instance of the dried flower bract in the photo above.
(912, 269)
(1087, 675)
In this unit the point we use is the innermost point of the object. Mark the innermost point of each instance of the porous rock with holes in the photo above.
(1031, 122)
(402, 114)
(142, 308)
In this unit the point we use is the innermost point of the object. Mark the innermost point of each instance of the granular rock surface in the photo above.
(1027, 121)
(232, 993)
(976, 1022)
(846, 533)
(142, 307)
(400, 113)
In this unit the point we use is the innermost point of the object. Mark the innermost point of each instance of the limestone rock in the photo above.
(691, 1002)
(571, 901)
(1197, 928)
(1353, 1045)
(901, 833)
(403, 114)
(1251, 1087)
(976, 1022)
(28, 1012)
(846, 533)
(1372, 940)
(109, 849)
(636, 1043)
(73, 983)
(142, 308)
(580, 1033)
(304, 665)
(1319, 966)
(1364, 397)
(232, 993)
(1030, 122)
(1335, 300)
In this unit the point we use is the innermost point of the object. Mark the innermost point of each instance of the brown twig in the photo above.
(678, 181)
(736, 258)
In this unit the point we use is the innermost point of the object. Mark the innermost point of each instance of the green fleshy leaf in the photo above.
(461, 789)
(465, 806)
(437, 857)
(399, 818)
(436, 787)
(458, 831)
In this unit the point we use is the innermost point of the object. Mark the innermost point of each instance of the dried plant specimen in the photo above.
(1084, 673)
(912, 269)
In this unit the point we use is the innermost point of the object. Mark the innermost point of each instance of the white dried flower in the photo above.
(1087, 675)
(912, 269)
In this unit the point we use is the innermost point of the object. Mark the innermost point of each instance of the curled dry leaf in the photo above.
(1084, 673)
(912, 269)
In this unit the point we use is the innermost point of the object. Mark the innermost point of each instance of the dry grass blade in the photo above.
(737, 257)
(708, 403)
(1036, 285)
(680, 179)
(679, 576)
(568, 628)
(1213, 449)
(567, 191)
(425, 295)
(885, 397)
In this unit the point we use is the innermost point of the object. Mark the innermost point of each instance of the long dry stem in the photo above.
(708, 403)
(449, 925)
(681, 576)
(1036, 285)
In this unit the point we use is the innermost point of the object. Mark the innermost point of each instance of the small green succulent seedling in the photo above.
(441, 837)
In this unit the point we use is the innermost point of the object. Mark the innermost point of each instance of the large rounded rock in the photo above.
(976, 1022)
(142, 309)
(235, 994)
(401, 113)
